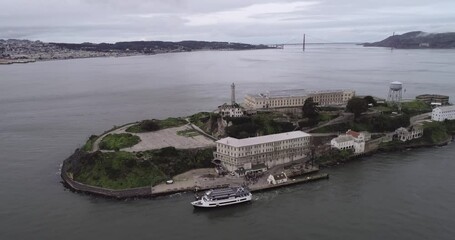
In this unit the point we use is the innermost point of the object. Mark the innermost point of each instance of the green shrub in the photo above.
(149, 125)
(88, 146)
(118, 141)
(117, 170)
(155, 125)
(415, 107)
(435, 132)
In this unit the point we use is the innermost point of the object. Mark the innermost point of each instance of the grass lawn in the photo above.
(384, 109)
(415, 107)
(121, 170)
(118, 141)
(118, 170)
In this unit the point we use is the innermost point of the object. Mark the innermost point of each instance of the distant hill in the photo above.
(417, 39)
(150, 47)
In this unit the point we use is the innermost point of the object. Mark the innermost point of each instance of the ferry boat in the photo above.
(222, 197)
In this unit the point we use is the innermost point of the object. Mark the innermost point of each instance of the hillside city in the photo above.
(25, 51)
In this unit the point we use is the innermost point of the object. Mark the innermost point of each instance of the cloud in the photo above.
(256, 13)
(251, 21)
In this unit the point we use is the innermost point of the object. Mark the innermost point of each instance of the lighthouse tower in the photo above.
(233, 94)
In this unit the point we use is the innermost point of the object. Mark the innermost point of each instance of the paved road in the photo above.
(344, 117)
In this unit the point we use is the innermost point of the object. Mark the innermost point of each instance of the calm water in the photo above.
(48, 109)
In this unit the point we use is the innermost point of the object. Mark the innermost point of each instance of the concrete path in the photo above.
(168, 137)
(344, 117)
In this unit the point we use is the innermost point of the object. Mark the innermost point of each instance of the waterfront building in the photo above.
(351, 140)
(404, 134)
(296, 98)
(443, 113)
(271, 150)
(434, 98)
(343, 142)
(277, 178)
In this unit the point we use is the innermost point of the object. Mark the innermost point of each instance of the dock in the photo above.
(290, 182)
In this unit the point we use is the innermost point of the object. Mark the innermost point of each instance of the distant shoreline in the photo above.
(24, 61)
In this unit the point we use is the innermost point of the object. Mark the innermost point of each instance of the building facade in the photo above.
(434, 98)
(443, 113)
(351, 140)
(404, 134)
(233, 109)
(277, 178)
(271, 150)
(296, 98)
(227, 110)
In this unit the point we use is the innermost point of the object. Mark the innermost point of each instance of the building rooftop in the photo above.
(279, 176)
(262, 139)
(446, 108)
(432, 95)
(344, 138)
(293, 93)
(353, 133)
(229, 106)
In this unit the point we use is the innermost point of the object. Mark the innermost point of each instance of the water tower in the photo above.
(395, 92)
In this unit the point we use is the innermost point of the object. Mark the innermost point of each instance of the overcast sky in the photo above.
(249, 21)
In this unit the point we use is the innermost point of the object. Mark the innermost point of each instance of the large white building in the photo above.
(351, 140)
(442, 113)
(296, 98)
(270, 150)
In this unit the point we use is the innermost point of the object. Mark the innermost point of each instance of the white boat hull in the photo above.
(221, 203)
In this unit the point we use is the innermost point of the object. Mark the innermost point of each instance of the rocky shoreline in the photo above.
(147, 192)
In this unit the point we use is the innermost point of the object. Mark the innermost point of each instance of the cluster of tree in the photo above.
(172, 161)
(386, 123)
(310, 109)
(357, 106)
(149, 125)
(310, 113)
(261, 124)
(435, 132)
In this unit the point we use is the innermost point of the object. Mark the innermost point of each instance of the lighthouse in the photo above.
(233, 109)
(233, 94)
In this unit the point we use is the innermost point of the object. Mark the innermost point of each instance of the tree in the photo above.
(357, 106)
(371, 100)
(149, 125)
(309, 109)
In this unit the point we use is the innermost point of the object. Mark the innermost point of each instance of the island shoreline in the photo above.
(147, 192)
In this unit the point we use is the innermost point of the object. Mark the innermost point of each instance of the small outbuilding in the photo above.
(277, 178)
(404, 134)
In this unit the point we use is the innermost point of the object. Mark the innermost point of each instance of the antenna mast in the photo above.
(303, 42)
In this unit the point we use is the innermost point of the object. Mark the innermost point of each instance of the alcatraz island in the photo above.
(273, 139)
